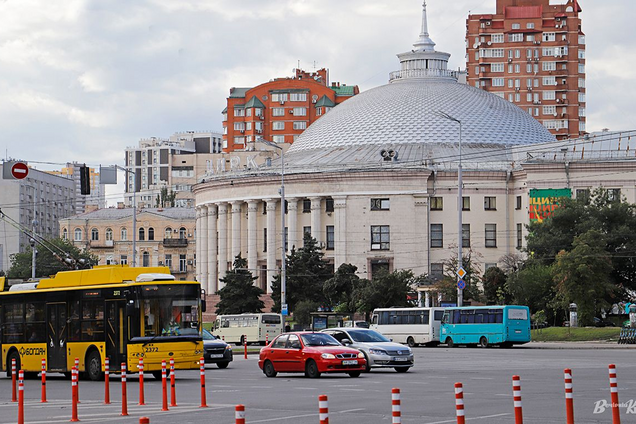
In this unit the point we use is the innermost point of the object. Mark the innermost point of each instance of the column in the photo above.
(198, 241)
(222, 227)
(236, 229)
(316, 230)
(340, 230)
(427, 299)
(271, 243)
(202, 257)
(292, 224)
(252, 236)
(212, 240)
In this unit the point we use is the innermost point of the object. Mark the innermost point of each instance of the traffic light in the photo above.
(85, 179)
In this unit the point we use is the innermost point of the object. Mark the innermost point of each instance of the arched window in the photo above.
(124, 234)
(168, 233)
(142, 234)
(65, 234)
(78, 234)
(182, 233)
(109, 234)
(151, 233)
(94, 234)
(145, 259)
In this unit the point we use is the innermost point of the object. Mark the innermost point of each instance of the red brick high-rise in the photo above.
(281, 109)
(532, 53)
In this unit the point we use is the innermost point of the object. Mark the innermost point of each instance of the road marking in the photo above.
(352, 410)
(469, 419)
(282, 418)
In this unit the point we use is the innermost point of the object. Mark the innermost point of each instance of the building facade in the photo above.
(281, 109)
(37, 203)
(83, 203)
(532, 53)
(162, 237)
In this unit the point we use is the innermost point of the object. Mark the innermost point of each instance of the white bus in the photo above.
(412, 326)
(256, 328)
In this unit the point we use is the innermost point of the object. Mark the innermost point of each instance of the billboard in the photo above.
(543, 202)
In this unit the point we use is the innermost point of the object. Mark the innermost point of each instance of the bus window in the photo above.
(92, 320)
(35, 322)
(437, 315)
(13, 328)
(518, 314)
(75, 330)
(270, 319)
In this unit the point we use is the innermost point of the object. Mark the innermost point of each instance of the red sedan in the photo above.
(311, 353)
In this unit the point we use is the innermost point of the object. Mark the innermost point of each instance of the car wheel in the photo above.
(222, 365)
(411, 342)
(402, 369)
(483, 342)
(367, 367)
(354, 374)
(311, 369)
(13, 355)
(449, 342)
(157, 375)
(94, 366)
(268, 369)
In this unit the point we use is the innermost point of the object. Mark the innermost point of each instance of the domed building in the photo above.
(375, 180)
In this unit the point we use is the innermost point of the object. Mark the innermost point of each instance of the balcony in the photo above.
(101, 244)
(175, 242)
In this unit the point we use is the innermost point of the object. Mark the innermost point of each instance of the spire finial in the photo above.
(424, 42)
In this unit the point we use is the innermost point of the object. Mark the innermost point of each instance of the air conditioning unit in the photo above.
(291, 111)
(517, 89)
(261, 117)
(242, 131)
(282, 102)
(189, 261)
(488, 23)
(259, 131)
(529, 88)
(558, 100)
(314, 100)
(509, 60)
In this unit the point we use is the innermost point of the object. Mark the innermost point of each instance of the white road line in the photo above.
(468, 419)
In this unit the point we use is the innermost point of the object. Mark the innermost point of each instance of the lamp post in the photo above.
(134, 205)
(283, 271)
(460, 291)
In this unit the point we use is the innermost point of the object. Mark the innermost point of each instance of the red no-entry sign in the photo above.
(19, 170)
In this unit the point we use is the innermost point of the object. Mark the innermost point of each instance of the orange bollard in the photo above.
(43, 381)
(245, 346)
(107, 381)
(459, 403)
(173, 387)
(124, 397)
(616, 413)
(74, 395)
(144, 420)
(202, 371)
(142, 400)
(516, 394)
(14, 394)
(239, 414)
(396, 407)
(77, 372)
(266, 339)
(164, 401)
(569, 400)
(21, 399)
(323, 409)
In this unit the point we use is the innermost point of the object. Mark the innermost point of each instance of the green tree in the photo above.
(582, 276)
(533, 286)
(494, 282)
(386, 290)
(448, 285)
(165, 199)
(303, 310)
(339, 290)
(53, 256)
(239, 294)
(305, 276)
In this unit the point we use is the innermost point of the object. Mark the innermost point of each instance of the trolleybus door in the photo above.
(115, 331)
(56, 343)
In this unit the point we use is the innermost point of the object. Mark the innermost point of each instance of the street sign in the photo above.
(19, 170)
(283, 309)
(461, 272)
(461, 284)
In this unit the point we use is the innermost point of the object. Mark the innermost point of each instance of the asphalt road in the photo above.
(427, 391)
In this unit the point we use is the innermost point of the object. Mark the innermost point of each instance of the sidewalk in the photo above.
(577, 345)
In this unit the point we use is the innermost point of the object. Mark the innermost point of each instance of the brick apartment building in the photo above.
(532, 53)
(281, 109)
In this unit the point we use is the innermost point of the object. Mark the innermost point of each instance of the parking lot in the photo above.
(426, 390)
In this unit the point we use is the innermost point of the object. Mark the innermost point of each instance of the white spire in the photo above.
(424, 42)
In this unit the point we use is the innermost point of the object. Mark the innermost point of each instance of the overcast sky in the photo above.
(80, 80)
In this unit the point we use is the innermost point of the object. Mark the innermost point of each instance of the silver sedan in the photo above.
(379, 351)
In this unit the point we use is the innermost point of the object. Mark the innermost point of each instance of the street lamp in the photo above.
(283, 271)
(460, 291)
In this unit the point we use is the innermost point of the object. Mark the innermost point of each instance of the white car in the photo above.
(379, 351)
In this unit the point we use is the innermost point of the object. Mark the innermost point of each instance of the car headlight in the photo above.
(360, 355)
(228, 347)
(327, 356)
(377, 352)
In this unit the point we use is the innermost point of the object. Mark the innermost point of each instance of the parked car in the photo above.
(216, 351)
(379, 351)
(311, 353)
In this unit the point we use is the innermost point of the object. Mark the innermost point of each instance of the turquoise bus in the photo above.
(486, 325)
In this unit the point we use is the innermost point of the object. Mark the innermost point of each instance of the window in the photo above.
(182, 263)
(278, 111)
(497, 82)
(614, 194)
(581, 82)
(497, 67)
(298, 97)
(549, 81)
(278, 125)
(123, 259)
(437, 271)
(581, 97)
(300, 125)
(239, 126)
(581, 68)
(583, 193)
(168, 233)
(548, 66)
(581, 54)
(549, 110)
(329, 204)
(278, 138)
(516, 37)
(519, 236)
(142, 234)
(516, 26)
(78, 234)
(491, 235)
(306, 231)
(300, 111)
(306, 205)
(465, 235)
(380, 237)
(65, 234)
(182, 233)
(497, 38)
(145, 258)
(331, 237)
(549, 95)
(94, 234)
(124, 234)
(380, 204)
(279, 97)
(264, 239)
(530, 25)
(109, 234)
(466, 203)
(518, 206)
(490, 203)
(168, 261)
(549, 36)
(437, 235)
(437, 203)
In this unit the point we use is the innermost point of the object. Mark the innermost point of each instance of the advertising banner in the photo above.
(543, 202)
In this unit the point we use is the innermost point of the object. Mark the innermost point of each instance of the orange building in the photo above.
(281, 109)
(532, 53)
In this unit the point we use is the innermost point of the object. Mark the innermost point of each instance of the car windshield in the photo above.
(207, 335)
(319, 339)
(369, 336)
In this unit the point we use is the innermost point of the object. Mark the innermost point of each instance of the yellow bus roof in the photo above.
(99, 275)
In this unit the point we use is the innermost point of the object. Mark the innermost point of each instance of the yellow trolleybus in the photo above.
(117, 312)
